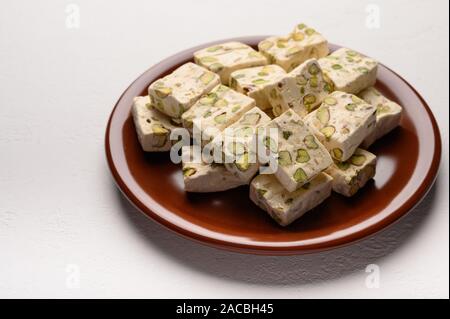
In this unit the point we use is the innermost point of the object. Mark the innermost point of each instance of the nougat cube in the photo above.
(238, 144)
(255, 81)
(216, 110)
(302, 90)
(178, 91)
(226, 58)
(353, 174)
(292, 50)
(152, 127)
(300, 155)
(201, 177)
(389, 114)
(342, 123)
(349, 70)
(284, 206)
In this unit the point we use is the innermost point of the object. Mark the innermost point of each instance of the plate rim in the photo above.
(408, 205)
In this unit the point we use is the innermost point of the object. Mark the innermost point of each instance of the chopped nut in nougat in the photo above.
(300, 154)
(238, 143)
(200, 177)
(178, 91)
(254, 82)
(283, 206)
(216, 110)
(389, 114)
(226, 58)
(349, 70)
(341, 123)
(153, 128)
(353, 174)
(292, 50)
(302, 89)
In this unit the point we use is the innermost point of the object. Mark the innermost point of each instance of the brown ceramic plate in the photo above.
(408, 161)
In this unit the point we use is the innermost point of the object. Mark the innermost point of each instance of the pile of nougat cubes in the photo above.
(323, 107)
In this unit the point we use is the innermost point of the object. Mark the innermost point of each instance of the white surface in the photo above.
(60, 213)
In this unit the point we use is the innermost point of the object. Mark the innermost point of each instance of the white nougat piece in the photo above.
(178, 91)
(215, 111)
(300, 154)
(301, 90)
(349, 70)
(353, 174)
(283, 206)
(255, 81)
(238, 144)
(200, 177)
(292, 50)
(389, 114)
(226, 58)
(341, 123)
(152, 127)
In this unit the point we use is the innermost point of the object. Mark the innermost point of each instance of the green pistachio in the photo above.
(259, 81)
(300, 176)
(363, 70)
(301, 80)
(284, 158)
(163, 92)
(251, 118)
(343, 165)
(207, 77)
(310, 31)
(328, 131)
(356, 99)
(265, 45)
(208, 99)
(314, 69)
(302, 156)
(298, 36)
(159, 129)
(261, 192)
(330, 101)
(254, 54)
(216, 67)
(309, 99)
(236, 108)
(189, 171)
(214, 48)
(314, 82)
(242, 163)
(350, 107)
(221, 118)
(382, 108)
(236, 148)
(310, 142)
(294, 50)
(270, 144)
(358, 160)
(323, 115)
(244, 131)
(286, 134)
(281, 43)
(208, 59)
(207, 114)
(337, 153)
(221, 103)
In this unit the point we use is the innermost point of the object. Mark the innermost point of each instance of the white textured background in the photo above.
(65, 231)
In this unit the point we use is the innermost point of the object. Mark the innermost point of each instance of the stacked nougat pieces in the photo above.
(290, 120)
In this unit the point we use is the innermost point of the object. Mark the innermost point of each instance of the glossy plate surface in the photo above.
(408, 161)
